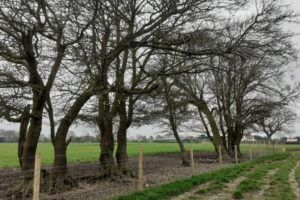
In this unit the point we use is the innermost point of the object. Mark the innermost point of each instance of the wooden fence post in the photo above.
(37, 177)
(260, 152)
(220, 155)
(250, 150)
(192, 160)
(236, 154)
(140, 168)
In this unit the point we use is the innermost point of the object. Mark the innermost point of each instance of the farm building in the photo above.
(248, 138)
(292, 141)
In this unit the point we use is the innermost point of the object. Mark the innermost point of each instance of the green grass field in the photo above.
(90, 152)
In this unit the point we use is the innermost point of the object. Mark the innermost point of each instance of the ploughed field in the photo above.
(272, 177)
(89, 152)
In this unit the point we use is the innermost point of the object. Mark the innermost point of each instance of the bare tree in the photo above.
(27, 26)
(279, 120)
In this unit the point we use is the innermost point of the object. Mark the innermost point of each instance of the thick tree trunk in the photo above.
(234, 139)
(33, 134)
(59, 175)
(269, 138)
(59, 179)
(207, 130)
(217, 140)
(121, 154)
(107, 148)
(25, 118)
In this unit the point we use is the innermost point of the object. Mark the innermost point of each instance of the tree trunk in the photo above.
(59, 175)
(217, 140)
(269, 138)
(121, 154)
(184, 155)
(59, 179)
(207, 130)
(234, 138)
(107, 148)
(231, 143)
(25, 118)
(33, 134)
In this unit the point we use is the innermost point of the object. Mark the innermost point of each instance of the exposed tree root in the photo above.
(25, 189)
(59, 183)
(21, 191)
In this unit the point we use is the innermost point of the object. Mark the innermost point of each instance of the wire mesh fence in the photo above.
(94, 181)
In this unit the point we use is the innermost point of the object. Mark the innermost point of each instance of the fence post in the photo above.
(140, 168)
(236, 154)
(260, 152)
(250, 151)
(37, 177)
(192, 160)
(220, 155)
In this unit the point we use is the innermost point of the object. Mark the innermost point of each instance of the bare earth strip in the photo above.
(224, 194)
(264, 187)
(187, 195)
(293, 182)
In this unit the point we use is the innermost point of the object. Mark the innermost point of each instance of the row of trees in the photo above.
(118, 64)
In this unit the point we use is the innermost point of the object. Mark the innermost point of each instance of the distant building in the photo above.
(248, 138)
(292, 141)
(171, 139)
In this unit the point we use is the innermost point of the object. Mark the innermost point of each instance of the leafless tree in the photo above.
(35, 36)
(279, 120)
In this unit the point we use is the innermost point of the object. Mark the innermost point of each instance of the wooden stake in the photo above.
(192, 160)
(236, 154)
(37, 177)
(220, 155)
(260, 152)
(250, 151)
(140, 175)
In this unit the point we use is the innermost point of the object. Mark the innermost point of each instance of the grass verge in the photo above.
(297, 175)
(219, 176)
(254, 180)
(279, 185)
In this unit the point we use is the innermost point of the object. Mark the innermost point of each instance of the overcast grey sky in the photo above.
(148, 130)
